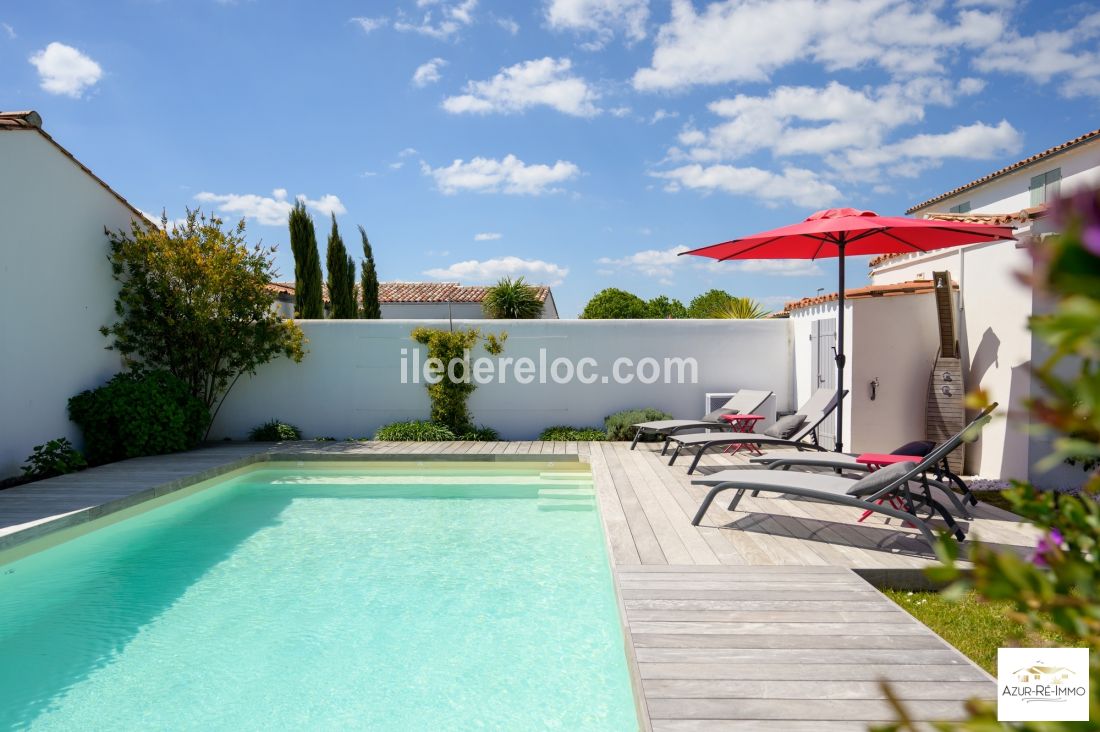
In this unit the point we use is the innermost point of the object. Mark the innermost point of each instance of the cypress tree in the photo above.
(341, 291)
(308, 297)
(372, 310)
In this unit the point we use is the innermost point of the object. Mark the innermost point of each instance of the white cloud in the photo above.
(442, 19)
(600, 18)
(662, 114)
(396, 165)
(748, 40)
(487, 236)
(65, 70)
(269, 210)
(8, 30)
(491, 270)
(619, 111)
(407, 152)
(509, 175)
(649, 262)
(795, 185)
(544, 81)
(428, 72)
(853, 131)
(777, 267)
(510, 26)
(368, 25)
(1070, 56)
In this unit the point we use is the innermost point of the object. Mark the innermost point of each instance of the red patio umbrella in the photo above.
(843, 232)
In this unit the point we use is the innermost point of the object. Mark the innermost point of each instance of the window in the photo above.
(963, 207)
(1044, 187)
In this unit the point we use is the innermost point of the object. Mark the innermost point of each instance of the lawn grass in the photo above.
(975, 626)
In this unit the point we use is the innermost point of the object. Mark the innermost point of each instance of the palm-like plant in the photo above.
(512, 299)
(742, 308)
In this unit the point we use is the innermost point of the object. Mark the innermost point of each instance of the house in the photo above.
(58, 289)
(993, 305)
(425, 300)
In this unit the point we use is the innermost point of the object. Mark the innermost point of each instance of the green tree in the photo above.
(742, 308)
(614, 303)
(368, 284)
(710, 304)
(664, 307)
(308, 292)
(195, 302)
(341, 276)
(450, 395)
(514, 299)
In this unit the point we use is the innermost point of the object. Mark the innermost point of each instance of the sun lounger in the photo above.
(786, 459)
(745, 401)
(873, 492)
(816, 409)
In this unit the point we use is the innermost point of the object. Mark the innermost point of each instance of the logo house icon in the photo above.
(1053, 675)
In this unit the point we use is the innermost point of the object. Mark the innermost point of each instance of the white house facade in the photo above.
(58, 290)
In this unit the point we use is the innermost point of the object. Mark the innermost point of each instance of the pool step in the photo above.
(558, 504)
(569, 475)
(570, 492)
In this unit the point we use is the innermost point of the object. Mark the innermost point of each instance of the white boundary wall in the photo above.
(349, 383)
(57, 291)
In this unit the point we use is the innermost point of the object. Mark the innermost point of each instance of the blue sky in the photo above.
(576, 142)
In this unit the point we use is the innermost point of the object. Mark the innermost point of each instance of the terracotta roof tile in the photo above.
(419, 292)
(1022, 216)
(912, 287)
(1009, 168)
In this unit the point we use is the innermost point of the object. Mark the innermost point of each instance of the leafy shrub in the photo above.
(619, 428)
(513, 299)
(449, 397)
(56, 457)
(480, 434)
(614, 303)
(414, 431)
(579, 434)
(137, 414)
(275, 431)
(663, 307)
(710, 304)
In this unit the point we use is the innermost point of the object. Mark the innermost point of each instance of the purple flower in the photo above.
(1047, 545)
(1082, 206)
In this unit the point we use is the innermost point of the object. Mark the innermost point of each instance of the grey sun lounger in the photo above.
(889, 482)
(941, 474)
(745, 401)
(816, 409)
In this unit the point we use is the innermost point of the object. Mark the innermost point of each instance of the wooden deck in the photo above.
(756, 619)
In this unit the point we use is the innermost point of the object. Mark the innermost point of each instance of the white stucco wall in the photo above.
(350, 382)
(57, 291)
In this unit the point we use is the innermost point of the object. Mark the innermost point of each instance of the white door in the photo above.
(823, 342)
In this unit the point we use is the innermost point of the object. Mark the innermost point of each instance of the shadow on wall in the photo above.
(986, 355)
(1015, 462)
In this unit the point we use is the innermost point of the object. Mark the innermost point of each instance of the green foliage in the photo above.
(711, 304)
(415, 431)
(341, 276)
(308, 292)
(137, 414)
(56, 457)
(274, 431)
(564, 433)
(368, 284)
(614, 303)
(973, 624)
(742, 308)
(1057, 589)
(450, 396)
(512, 299)
(663, 307)
(619, 428)
(195, 302)
(480, 433)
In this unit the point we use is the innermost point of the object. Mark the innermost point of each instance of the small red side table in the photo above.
(742, 423)
(876, 460)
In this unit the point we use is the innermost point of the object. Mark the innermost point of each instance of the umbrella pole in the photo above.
(840, 358)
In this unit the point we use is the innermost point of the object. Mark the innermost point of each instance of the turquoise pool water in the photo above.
(378, 599)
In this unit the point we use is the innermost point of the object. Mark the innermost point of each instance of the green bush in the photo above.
(614, 303)
(56, 457)
(566, 433)
(479, 434)
(449, 398)
(137, 414)
(275, 431)
(618, 425)
(414, 431)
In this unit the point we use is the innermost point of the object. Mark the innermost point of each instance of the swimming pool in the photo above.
(441, 596)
